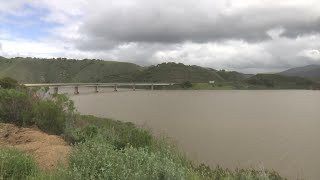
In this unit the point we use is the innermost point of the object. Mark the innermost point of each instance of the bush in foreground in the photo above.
(24, 109)
(97, 159)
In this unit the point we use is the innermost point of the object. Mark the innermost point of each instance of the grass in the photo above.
(16, 165)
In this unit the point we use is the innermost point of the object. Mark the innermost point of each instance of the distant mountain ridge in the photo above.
(311, 72)
(35, 70)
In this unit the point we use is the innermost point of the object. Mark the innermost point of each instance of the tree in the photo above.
(186, 84)
(8, 83)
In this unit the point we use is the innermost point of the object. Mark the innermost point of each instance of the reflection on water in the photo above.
(277, 130)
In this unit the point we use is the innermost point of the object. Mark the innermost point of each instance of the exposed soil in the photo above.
(47, 150)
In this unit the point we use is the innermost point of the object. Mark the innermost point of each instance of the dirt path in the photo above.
(48, 150)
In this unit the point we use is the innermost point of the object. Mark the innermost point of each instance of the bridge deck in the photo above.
(97, 84)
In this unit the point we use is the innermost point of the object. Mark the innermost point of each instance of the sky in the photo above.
(249, 36)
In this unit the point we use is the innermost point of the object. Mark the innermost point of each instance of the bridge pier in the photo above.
(76, 86)
(115, 87)
(76, 90)
(55, 90)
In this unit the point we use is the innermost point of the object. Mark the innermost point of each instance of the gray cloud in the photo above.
(197, 21)
(248, 36)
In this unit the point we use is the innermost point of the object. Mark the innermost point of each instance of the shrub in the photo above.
(80, 135)
(49, 117)
(117, 133)
(15, 107)
(97, 159)
(8, 83)
(186, 84)
(16, 165)
(133, 136)
(23, 108)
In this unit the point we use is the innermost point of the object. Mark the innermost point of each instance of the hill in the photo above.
(311, 72)
(178, 72)
(278, 81)
(35, 70)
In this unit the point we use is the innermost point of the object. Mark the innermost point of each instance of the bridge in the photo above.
(95, 86)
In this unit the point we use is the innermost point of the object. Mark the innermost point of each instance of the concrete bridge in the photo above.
(96, 85)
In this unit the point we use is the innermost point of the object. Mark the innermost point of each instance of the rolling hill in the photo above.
(277, 81)
(311, 72)
(34, 70)
(178, 72)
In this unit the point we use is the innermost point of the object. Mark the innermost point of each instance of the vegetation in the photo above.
(233, 76)
(16, 165)
(178, 73)
(8, 83)
(23, 107)
(102, 148)
(310, 72)
(276, 81)
(33, 70)
(186, 85)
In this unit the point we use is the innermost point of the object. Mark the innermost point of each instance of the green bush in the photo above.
(15, 107)
(80, 135)
(49, 117)
(117, 133)
(8, 83)
(16, 165)
(23, 108)
(97, 159)
(134, 137)
(186, 85)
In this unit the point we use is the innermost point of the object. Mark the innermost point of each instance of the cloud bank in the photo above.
(249, 36)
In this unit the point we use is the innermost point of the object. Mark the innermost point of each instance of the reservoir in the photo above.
(275, 129)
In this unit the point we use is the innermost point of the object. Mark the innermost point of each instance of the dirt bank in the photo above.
(48, 150)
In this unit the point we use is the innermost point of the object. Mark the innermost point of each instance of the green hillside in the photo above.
(277, 81)
(35, 70)
(232, 76)
(178, 72)
(32, 70)
(311, 72)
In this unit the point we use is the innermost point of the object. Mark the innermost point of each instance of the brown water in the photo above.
(277, 130)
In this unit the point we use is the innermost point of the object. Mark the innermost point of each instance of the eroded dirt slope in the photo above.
(48, 150)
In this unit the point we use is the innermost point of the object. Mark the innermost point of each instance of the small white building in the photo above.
(211, 82)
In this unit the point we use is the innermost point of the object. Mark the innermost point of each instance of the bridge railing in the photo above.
(95, 85)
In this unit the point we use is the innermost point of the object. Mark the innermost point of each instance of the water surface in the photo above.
(277, 130)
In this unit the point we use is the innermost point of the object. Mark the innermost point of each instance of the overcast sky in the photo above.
(248, 35)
